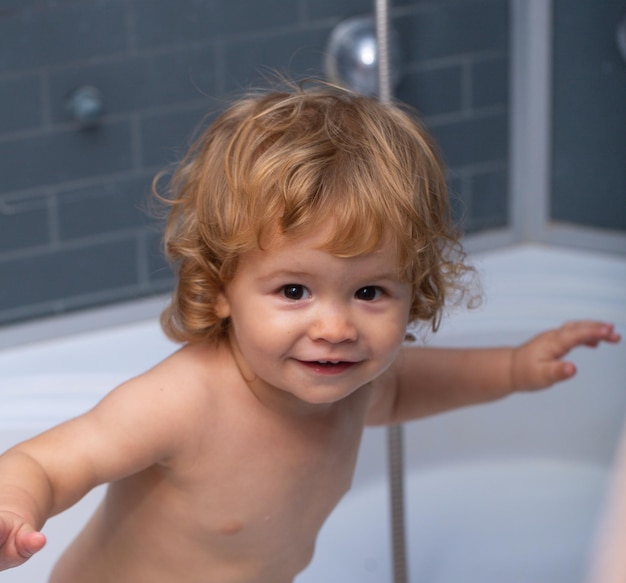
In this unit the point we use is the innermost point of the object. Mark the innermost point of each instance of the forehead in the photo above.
(314, 252)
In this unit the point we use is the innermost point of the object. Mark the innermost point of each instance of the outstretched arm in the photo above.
(45, 475)
(426, 381)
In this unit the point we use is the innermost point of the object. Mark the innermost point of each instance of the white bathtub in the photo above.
(504, 492)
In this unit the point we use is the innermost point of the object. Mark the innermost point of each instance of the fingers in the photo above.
(585, 333)
(538, 363)
(594, 329)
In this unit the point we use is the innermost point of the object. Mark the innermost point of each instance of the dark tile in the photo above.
(445, 30)
(332, 9)
(434, 91)
(166, 137)
(60, 35)
(473, 141)
(20, 104)
(252, 16)
(295, 54)
(489, 200)
(186, 21)
(140, 83)
(490, 82)
(11, 7)
(193, 21)
(23, 223)
(116, 205)
(63, 156)
(65, 273)
(588, 116)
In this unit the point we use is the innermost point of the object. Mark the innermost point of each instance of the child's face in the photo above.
(314, 325)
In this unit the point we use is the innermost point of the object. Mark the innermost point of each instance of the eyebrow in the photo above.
(287, 274)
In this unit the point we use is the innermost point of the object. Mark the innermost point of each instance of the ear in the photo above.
(222, 306)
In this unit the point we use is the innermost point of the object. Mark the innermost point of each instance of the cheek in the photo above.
(259, 331)
(396, 330)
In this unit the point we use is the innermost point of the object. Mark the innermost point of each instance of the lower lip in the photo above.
(328, 369)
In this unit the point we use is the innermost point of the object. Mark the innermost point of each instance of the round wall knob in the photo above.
(85, 105)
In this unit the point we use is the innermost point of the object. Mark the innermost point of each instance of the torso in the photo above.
(241, 503)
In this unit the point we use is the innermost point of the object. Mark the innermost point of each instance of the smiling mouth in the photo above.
(328, 366)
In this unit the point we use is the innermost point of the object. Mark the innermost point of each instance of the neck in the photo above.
(274, 399)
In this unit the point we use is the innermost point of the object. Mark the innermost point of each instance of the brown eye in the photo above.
(295, 292)
(368, 293)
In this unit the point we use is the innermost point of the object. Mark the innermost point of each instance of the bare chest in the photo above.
(281, 480)
(254, 496)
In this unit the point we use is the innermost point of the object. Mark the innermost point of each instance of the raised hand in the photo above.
(539, 362)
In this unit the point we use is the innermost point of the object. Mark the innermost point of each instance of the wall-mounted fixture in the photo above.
(352, 55)
(85, 105)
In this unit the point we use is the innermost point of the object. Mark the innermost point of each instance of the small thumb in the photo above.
(29, 542)
(562, 371)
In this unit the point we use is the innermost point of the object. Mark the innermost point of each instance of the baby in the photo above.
(308, 228)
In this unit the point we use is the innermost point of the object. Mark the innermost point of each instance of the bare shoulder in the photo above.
(180, 383)
(187, 366)
(161, 409)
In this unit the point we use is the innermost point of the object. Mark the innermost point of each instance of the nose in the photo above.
(333, 324)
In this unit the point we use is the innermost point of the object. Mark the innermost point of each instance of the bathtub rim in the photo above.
(88, 320)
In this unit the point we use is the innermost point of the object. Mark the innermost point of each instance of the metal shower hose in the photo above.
(395, 432)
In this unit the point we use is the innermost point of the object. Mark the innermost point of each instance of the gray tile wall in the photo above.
(589, 115)
(74, 231)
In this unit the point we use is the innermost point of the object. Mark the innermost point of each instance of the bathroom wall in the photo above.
(589, 115)
(74, 231)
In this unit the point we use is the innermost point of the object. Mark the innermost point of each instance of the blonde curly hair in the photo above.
(291, 160)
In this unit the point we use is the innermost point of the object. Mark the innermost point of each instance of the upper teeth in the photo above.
(329, 361)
